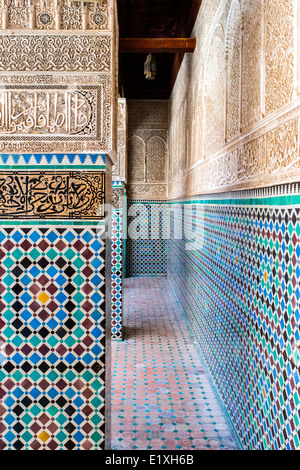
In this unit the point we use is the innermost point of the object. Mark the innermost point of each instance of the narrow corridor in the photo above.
(162, 397)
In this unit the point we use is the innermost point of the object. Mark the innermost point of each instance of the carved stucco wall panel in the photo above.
(147, 149)
(215, 93)
(52, 14)
(76, 117)
(233, 70)
(69, 45)
(136, 157)
(147, 114)
(156, 160)
(264, 161)
(279, 53)
(239, 113)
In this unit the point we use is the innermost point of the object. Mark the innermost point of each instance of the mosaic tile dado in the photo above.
(240, 292)
(146, 255)
(52, 332)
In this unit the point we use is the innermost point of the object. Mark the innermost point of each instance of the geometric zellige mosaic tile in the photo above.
(147, 254)
(241, 294)
(52, 336)
(117, 275)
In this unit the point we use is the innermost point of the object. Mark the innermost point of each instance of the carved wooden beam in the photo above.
(157, 45)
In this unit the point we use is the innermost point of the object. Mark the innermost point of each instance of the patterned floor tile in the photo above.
(162, 397)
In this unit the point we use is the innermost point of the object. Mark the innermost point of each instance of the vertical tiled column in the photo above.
(57, 127)
(117, 260)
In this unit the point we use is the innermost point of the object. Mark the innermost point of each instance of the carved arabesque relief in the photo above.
(55, 15)
(252, 63)
(279, 53)
(282, 148)
(59, 53)
(250, 138)
(215, 93)
(147, 150)
(233, 53)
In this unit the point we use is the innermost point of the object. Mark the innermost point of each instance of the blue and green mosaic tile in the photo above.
(52, 332)
(147, 253)
(240, 292)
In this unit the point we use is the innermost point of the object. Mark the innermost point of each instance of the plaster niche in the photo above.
(156, 160)
(233, 52)
(215, 93)
(197, 141)
(137, 152)
(279, 53)
(252, 63)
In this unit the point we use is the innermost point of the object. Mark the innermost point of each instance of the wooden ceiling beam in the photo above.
(157, 45)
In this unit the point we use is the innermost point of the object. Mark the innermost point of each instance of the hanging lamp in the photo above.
(150, 67)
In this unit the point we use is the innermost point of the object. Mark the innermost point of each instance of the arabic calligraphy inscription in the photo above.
(51, 195)
(41, 112)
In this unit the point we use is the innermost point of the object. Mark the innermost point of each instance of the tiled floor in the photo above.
(162, 398)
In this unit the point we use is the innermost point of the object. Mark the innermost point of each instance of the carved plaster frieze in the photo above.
(55, 53)
(55, 15)
(279, 53)
(147, 153)
(234, 111)
(45, 79)
(42, 114)
(147, 191)
(268, 160)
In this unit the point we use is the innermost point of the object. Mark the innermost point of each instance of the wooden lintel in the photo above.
(157, 45)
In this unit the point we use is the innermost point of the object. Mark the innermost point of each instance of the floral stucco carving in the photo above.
(57, 76)
(242, 130)
(147, 149)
